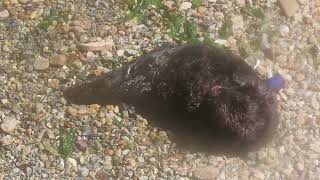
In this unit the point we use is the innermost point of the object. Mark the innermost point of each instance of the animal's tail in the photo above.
(92, 92)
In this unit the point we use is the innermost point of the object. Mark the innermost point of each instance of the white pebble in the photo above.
(284, 30)
(185, 5)
(120, 52)
(72, 163)
(9, 124)
(315, 104)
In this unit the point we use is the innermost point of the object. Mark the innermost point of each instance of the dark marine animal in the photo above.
(209, 94)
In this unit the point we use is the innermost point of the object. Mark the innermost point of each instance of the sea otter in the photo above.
(202, 94)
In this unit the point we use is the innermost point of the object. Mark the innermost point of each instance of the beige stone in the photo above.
(289, 7)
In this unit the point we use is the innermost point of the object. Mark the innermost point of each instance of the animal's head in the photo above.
(245, 106)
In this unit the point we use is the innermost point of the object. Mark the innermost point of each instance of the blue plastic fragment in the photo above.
(276, 82)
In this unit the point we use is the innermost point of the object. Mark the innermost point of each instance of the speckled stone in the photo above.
(41, 63)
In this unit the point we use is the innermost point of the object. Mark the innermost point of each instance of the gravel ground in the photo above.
(48, 45)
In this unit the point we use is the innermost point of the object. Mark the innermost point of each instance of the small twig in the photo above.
(50, 92)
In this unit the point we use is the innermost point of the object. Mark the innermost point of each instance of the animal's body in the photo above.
(206, 92)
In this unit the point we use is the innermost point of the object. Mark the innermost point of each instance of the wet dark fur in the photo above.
(209, 98)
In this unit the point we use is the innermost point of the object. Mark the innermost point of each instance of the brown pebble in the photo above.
(81, 144)
(58, 60)
(122, 143)
(54, 83)
(72, 111)
(109, 152)
(96, 46)
(100, 175)
(95, 107)
(114, 30)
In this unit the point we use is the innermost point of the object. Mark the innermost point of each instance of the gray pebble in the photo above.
(83, 171)
(141, 159)
(143, 178)
(108, 162)
(28, 171)
(2, 95)
(41, 63)
(83, 38)
(265, 42)
(130, 52)
(284, 30)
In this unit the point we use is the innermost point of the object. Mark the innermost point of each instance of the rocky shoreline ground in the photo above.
(48, 45)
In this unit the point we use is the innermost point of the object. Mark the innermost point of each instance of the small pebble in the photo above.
(315, 146)
(289, 7)
(54, 83)
(72, 111)
(41, 63)
(81, 144)
(100, 175)
(9, 124)
(58, 60)
(83, 171)
(6, 140)
(284, 30)
(97, 46)
(72, 163)
(185, 5)
(4, 14)
(120, 52)
(315, 104)
(203, 173)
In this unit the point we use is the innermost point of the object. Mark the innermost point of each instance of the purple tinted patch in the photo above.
(276, 82)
